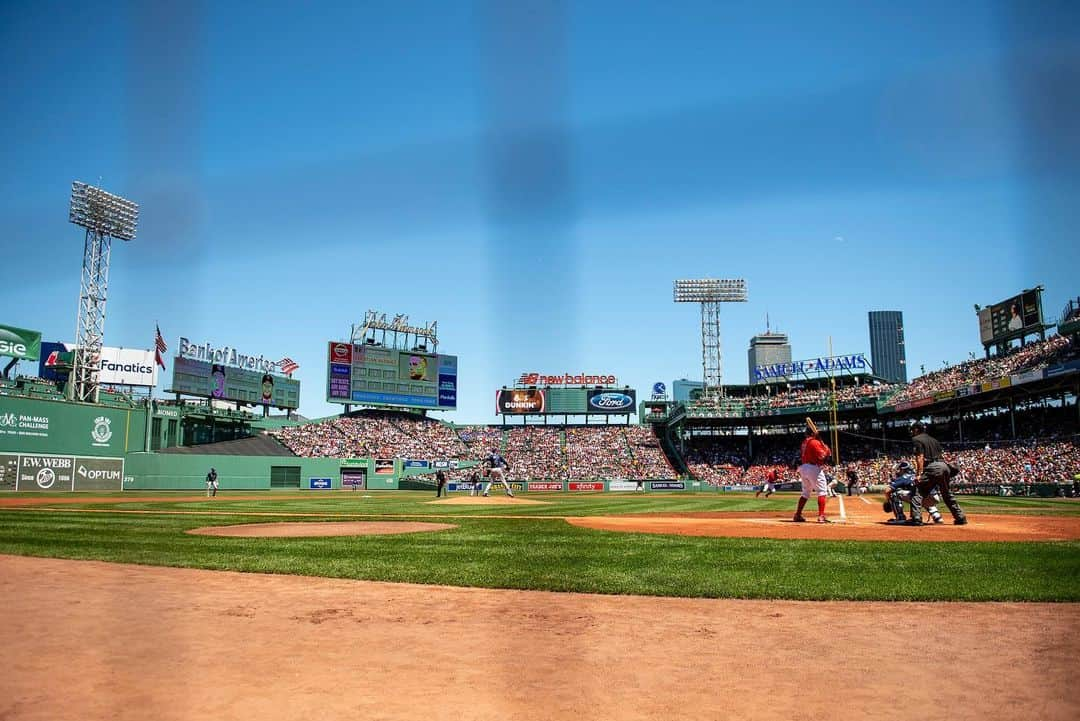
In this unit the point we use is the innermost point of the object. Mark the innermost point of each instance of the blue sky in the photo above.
(535, 175)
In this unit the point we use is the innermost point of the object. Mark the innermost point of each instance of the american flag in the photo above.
(159, 348)
(288, 365)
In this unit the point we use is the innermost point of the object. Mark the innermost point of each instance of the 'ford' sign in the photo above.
(611, 401)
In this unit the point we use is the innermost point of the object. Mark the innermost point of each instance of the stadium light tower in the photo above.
(711, 292)
(104, 216)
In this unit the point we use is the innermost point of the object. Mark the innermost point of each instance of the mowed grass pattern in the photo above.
(536, 549)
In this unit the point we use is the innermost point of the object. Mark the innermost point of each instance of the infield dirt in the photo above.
(90, 640)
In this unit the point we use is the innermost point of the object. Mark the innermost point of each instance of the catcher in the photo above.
(901, 489)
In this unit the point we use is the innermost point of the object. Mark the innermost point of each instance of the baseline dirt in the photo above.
(313, 530)
(91, 640)
(864, 523)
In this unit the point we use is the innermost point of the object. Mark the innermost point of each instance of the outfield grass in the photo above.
(537, 551)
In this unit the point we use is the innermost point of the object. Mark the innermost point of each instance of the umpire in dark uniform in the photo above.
(931, 472)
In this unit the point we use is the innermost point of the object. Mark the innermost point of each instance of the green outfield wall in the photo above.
(165, 471)
(31, 425)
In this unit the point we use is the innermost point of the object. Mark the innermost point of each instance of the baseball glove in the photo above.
(886, 505)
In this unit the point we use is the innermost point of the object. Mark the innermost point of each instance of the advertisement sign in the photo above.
(519, 401)
(51, 366)
(996, 384)
(1011, 318)
(214, 380)
(852, 364)
(545, 485)
(384, 466)
(667, 485)
(622, 485)
(420, 464)
(1062, 369)
(19, 343)
(611, 402)
(98, 474)
(353, 478)
(319, 484)
(225, 356)
(447, 391)
(1028, 377)
(341, 353)
(45, 473)
(394, 399)
(530, 378)
(586, 486)
(340, 381)
(127, 367)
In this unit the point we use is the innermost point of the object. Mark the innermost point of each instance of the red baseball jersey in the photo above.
(814, 451)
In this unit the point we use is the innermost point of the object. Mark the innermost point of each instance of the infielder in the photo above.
(900, 489)
(813, 455)
(769, 487)
(497, 467)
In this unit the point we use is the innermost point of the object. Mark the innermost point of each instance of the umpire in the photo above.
(933, 473)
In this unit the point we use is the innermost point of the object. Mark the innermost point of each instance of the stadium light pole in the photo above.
(103, 216)
(710, 293)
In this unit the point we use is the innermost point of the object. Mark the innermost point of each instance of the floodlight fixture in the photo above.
(709, 290)
(102, 212)
(103, 216)
(710, 293)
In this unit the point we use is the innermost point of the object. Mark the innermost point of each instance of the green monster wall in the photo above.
(44, 426)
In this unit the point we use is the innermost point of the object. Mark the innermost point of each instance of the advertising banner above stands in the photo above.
(19, 343)
(825, 367)
(520, 401)
(530, 378)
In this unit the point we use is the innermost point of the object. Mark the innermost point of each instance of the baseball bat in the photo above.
(811, 425)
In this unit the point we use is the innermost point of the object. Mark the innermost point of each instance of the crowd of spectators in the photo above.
(1030, 357)
(725, 460)
(792, 398)
(375, 434)
(533, 452)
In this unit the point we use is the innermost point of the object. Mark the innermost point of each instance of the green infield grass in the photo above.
(532, 547)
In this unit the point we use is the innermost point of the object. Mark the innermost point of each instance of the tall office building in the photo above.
(767, 349)
(887, 345)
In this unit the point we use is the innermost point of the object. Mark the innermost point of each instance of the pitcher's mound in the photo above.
(489, 501)
(307, 530)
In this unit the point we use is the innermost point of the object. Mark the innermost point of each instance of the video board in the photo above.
(565, 401)
(229, 383)
(1011, 318)
(381, 376)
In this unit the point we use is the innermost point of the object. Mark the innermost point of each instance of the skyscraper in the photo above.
(887, 345)
(767, 349)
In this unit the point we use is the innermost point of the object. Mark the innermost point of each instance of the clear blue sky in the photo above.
(534, 175)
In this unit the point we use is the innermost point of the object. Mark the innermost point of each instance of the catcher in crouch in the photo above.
(901, 489)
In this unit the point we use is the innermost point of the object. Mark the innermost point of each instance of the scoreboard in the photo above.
(1011, 318)
(229, 383)
(380, 376)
